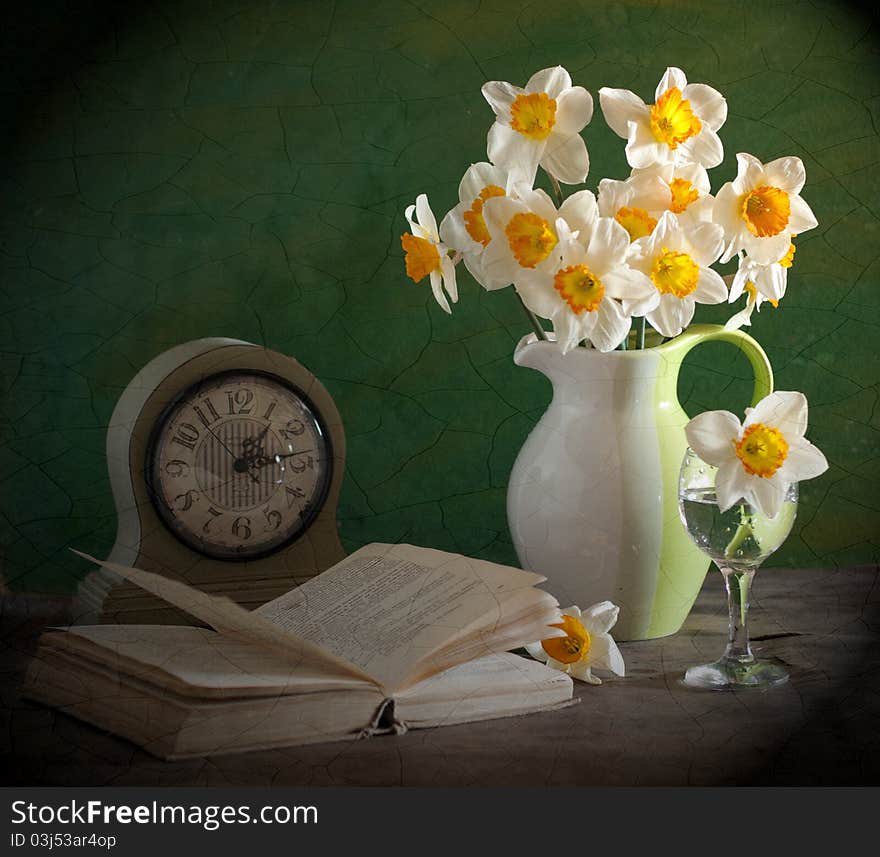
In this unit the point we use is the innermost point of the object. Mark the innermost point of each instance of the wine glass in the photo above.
(737, 541)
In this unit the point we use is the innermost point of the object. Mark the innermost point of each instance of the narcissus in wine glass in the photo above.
(737, 496)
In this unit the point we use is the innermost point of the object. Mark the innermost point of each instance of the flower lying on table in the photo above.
(759, 459)
(587, 645)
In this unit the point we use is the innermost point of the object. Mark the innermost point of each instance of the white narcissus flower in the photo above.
(581, 293)
(758, 460)
(634, 203)
(588, 643)
(688, 194)
(680, 127)
(426, 255)
(762, 208)
(540, 124)
(522, 230)
(677, 260)
(761, 283)
(464, 228)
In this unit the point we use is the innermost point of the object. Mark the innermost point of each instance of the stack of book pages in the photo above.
(392, 638)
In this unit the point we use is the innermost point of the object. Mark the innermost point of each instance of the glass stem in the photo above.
(738, 583)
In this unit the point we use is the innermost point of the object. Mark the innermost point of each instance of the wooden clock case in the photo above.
(142, 540)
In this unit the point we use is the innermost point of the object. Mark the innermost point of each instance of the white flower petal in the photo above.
(704, 148)
(567, 328)
(426, 217)
(706, 241)
(474, 263)
(664, 233)
(749, 173)
(785, 410)
(604, 655)
(537, 292)
(512, 150)
(580, 212)
(437, 289)
(608, 245)
(801, 218)
(804, 461)
(619, 107)
(740, 278)
(447, 269)
(453, 232)
(711, 288)
(671, 315)
(500, 96)
(574, 109)
(566, 158)
(478, 176)
(707, 103)
(611, 325)
(550, 80)
(633, 288)
(787, 174)
(600, 618)
(696, 174)
(765, 251)
(743, 318)
(725, 212)
(671, 77)
(536, 650)
(767, 494)
(712, 435)
(642, 148)
(731, 483)
(581, 671)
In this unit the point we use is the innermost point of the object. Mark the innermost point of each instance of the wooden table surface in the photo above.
(821, 728)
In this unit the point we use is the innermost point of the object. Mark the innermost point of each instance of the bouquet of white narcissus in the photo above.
(644, 248)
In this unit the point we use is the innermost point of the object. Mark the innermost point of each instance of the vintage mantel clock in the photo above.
(226, 461)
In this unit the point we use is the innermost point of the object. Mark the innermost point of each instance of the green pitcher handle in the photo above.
(678, 348)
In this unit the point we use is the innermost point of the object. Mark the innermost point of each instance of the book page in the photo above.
(388, 606)
(196, 662)
(495, 686)
(228, 618)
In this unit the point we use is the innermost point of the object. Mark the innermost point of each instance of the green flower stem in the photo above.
(536, 325)
(554, 182)
(640, 333)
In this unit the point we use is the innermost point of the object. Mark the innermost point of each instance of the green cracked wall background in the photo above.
(180, 170)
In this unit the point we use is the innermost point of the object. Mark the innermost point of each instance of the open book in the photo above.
(391, 638)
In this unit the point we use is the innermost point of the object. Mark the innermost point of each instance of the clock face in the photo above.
(239, 465)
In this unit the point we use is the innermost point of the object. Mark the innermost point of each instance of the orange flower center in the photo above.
(422, 256)
(580, 288)
(765, 210)
(683, 194)
(533, 114)
(636, 221)
(672, 119)
(788, 259)
(530, 238)
(675, 273)
(473, 217)
(761, 450)
(752, 290)
(573, 648)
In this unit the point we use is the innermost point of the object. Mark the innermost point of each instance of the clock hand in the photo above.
(279, 457)
(251, 447)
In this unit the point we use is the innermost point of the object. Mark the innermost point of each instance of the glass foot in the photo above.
(732, 673)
